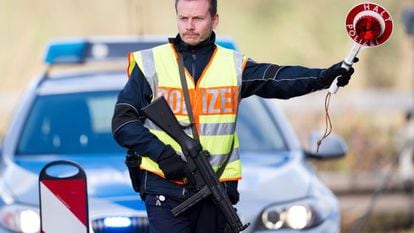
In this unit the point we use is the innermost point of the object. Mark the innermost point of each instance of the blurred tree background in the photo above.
(367, 113)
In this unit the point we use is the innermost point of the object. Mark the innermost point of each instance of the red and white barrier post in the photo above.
(63, 198)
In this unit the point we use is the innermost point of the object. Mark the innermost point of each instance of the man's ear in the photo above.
(215, 21)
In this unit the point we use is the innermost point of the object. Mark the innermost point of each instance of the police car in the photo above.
(66, 115)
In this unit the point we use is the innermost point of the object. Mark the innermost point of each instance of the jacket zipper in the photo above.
(194, 56)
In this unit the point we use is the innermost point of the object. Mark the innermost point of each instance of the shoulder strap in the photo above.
(220, 171)
(187, 96)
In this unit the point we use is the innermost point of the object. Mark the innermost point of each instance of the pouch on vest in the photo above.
(132, 161)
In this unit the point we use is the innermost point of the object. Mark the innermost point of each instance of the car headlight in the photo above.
(297, 216)
(20, 218)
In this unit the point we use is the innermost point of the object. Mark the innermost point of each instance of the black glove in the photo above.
(171, 164)
(327, 76)
(232, 192)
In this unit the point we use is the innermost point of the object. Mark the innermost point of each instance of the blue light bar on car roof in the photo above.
(75, 51)
(227, 44)
(96, 49)
(66, 52)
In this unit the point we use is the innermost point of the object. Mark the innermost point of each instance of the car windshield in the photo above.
(81, 124)
(70, 124)
(257, 129)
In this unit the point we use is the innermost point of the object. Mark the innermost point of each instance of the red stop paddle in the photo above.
(368, 25)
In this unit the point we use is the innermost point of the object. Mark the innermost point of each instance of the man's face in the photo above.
(194, 21)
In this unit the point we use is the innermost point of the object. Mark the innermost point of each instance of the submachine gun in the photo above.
(199, 171)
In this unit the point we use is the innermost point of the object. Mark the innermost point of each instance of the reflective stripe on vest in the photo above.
(214, 100)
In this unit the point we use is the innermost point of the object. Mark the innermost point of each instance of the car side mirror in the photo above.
(1, 144)
(331, 147)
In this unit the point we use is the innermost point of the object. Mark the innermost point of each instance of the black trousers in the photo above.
(204, 217)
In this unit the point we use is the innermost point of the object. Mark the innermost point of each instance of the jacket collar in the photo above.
(181, 46)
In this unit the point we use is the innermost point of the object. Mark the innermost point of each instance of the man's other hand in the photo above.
(171, 164)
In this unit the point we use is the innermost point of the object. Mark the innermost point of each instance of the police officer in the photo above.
(217, 79)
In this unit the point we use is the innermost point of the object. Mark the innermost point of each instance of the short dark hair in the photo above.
(212, 9)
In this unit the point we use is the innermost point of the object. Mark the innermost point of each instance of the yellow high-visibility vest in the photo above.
(214, 101)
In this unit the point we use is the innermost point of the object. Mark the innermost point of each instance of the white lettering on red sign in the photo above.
(373, 10)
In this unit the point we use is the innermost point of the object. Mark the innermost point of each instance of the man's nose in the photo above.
(190, 25)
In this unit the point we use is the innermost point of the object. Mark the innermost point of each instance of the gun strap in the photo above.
(191, 116)
(187, 96)
(220, 171)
